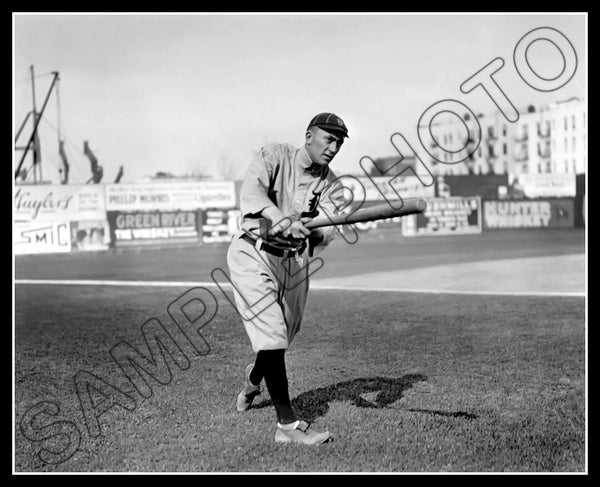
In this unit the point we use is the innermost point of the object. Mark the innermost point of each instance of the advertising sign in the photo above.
(386, 223)
(41, 237)
(90, 235)
(215, 226)
(549, 213)
(544, 185)
(365, 189)
(487, 186)
(170, 196)
(151, 227)
(49, 203)
(445, 216)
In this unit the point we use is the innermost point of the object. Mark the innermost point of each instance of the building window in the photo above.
(503, 129)
(573, 117)
(450, 138)
(523, 131)
(504, 149)
(540, 167)
(574, 165)
(573, 145)
(479, 151)
(548, 166)
(566, 145)
(566, 124)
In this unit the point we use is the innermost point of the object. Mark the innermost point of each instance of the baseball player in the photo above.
(284, 188)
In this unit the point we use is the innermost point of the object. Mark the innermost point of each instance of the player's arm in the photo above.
(254, 193)
(256, 203)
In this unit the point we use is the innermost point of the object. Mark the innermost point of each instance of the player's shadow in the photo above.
(382, 392)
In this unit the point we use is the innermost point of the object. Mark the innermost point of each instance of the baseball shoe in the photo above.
(248, 393)
(298, 433)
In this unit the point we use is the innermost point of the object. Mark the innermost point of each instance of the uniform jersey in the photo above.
(271, 292)
(285, 176)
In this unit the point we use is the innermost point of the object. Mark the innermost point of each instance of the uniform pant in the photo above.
(270, 294)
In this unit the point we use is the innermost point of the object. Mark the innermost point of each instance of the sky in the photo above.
(201, 93)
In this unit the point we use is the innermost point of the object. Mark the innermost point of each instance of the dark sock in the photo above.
(270, 364)
(256, 374)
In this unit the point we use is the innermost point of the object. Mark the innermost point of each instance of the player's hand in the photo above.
(294, 230)
(297, 230)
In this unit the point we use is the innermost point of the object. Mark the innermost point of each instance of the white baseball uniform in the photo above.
(271, 292)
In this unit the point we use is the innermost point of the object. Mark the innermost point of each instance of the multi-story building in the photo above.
(569, 136)
(552, 139)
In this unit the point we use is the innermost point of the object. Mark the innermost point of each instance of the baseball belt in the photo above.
(260, 244)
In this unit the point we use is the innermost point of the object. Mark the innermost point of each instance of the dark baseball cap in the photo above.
(329, 122)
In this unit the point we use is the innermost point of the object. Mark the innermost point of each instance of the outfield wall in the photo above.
(74, 218)
(67, 218)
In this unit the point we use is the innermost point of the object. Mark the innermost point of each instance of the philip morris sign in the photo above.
(170, 196)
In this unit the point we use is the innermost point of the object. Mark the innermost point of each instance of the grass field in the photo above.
(406, 382)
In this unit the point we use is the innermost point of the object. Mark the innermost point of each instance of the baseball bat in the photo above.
(372, 213)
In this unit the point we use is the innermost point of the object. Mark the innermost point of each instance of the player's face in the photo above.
(322, 146)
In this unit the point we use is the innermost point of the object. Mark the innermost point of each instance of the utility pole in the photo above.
(33, 139)
(36, 139)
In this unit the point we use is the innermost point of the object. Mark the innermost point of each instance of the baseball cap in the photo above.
(329, 122)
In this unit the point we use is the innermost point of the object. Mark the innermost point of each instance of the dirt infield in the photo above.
(561, 274)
